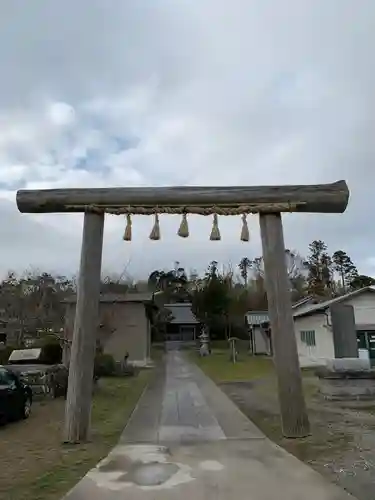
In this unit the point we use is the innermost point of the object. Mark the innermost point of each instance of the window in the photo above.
(308, 337)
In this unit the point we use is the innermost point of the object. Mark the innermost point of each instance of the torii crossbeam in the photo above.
(267, 201)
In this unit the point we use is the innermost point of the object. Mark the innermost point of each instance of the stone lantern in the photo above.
(204, 342)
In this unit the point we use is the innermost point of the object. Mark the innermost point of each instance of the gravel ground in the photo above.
(342, 444)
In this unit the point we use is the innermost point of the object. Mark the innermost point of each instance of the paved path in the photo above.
(187, 440)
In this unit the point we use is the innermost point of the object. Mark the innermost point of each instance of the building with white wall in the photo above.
(312, 325)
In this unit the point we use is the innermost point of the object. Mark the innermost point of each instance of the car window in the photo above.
(5, 377)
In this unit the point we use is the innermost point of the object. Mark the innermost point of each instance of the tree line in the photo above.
(221, 296)
(320, 274)
(31, 303)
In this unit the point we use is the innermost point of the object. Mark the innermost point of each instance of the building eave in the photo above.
(323, 306)
(117, 298)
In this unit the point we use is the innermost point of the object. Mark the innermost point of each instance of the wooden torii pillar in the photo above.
(268, 201)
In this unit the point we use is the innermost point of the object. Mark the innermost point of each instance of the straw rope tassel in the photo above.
(183, 230)
(128, 229)
(215, 232)
(155, 232)
(245, 233)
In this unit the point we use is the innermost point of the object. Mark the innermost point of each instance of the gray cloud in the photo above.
(205, 93)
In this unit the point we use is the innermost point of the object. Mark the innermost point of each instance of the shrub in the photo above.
(4, 354)
(105, 366)
(51, 353)
(239, 331)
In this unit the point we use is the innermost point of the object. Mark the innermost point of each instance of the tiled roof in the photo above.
(116, 297)
(182, 313)
(305, 300)
(322, 306)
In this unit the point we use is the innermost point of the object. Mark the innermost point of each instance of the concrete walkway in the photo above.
(187, 440)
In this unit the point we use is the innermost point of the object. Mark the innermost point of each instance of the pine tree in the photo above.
(345, 268)
(319, 265)
(361, 281)
(245, 266)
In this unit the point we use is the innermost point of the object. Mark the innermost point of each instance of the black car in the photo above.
(15, 396)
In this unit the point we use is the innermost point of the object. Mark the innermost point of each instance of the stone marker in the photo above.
(344, 331)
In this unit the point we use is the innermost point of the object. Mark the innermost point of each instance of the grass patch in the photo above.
(220, 368)
(34, 464)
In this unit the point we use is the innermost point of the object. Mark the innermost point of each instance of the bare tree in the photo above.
(31, 303)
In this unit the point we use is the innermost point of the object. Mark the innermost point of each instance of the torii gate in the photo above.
(268, 201)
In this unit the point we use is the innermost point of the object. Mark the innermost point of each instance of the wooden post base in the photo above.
(295, 423)
(81, 367)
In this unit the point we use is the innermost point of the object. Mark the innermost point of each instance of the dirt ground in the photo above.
(342, 444)
(36, 465)
(27, 446)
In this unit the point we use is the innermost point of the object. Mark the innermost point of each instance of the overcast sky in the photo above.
(166, 92)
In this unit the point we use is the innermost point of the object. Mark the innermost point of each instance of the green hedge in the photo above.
(105, 366)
